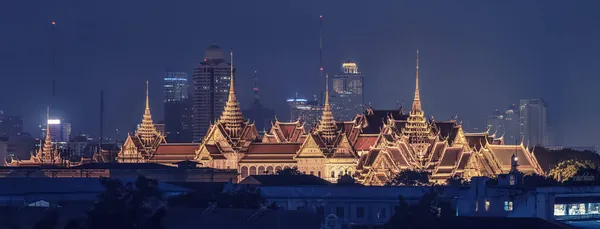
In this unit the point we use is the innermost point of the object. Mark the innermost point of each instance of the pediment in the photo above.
(310, 148)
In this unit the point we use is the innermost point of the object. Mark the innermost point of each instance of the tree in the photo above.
(346, 180)
(289, 172)
(127, 206)
(457, 181)
(240, 198)
(410, 178)
(566, 170)
(48, 221)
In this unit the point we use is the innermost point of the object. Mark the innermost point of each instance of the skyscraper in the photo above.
(307, 111)
(511, 125)
(347, 98)
(533, 121)
(495, 122)
(177, 107)
(59, 130)
(211, 88)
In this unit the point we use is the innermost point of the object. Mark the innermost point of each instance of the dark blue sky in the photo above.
(475, 55)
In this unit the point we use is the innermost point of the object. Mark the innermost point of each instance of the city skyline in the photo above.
(524, 69)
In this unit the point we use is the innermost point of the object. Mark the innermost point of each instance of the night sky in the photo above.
(475, 55)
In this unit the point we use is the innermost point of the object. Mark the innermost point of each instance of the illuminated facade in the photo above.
(211, 84)
(305, 111)
(347, 93)
(178, 107)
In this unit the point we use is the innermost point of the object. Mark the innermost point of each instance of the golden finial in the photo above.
(147, 99)
(326, 89)
(231, 82)
(417, 103)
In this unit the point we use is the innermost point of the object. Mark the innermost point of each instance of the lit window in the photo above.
(508, 206)
(512, 179)
(487, 205)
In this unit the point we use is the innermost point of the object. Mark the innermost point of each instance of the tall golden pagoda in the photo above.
(147, 130)
(232, 117)
(417, 130)
(141, 146)
(327, 128)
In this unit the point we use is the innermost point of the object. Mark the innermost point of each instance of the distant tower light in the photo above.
(53, 22)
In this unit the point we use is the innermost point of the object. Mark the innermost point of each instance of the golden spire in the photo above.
(417, 101)
(147, 99)
(416, 127)
(327, 128)
(232, 114)
(48, 141)
(147, 130)
(231, 82)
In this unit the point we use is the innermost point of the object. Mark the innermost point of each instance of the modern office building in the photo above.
(533, 121)
(495, 122)
(347, 92)
(59, 129)
(178, 107)
(211, 88)
(306, 111)
(512, 133)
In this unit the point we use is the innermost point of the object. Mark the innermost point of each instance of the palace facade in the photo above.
(372, 147)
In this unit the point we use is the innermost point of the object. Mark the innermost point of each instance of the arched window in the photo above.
(332, 174)
(244, 171)
(261, 170)
(252, 170)
(278, 168)
(286, 167)
(270, 170)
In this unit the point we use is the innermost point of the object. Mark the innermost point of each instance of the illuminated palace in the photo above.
(372, 147)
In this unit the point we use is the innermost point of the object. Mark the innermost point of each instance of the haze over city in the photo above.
(475, 56)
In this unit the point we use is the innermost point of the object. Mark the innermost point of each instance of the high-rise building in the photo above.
(533, 121)
(177, 107)
(257, 113)
(512, 132)
(306, 111)
(495, 122)
(347, 92)
(211, 88)
(59, 130)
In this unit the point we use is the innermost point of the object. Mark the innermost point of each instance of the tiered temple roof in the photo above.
(141, 146)
(46, 155)
(283, 132)
(229, 137)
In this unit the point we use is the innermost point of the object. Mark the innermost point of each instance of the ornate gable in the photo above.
(344, 148)
(311, 148)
